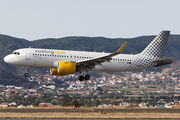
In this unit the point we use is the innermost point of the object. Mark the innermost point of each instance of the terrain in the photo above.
(90, 113)
(99, 44)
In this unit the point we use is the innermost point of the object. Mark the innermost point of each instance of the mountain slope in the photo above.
(134, 46)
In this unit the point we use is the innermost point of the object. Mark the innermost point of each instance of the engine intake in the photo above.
(64, 68)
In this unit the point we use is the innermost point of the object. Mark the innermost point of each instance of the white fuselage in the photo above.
(46, 58)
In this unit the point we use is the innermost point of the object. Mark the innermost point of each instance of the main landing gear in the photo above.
(26, 74)
(86, 77)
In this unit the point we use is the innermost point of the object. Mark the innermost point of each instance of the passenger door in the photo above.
(28, 54)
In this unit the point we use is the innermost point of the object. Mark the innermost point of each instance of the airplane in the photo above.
(64, 62)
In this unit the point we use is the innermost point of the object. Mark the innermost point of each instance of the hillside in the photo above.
(99, 44)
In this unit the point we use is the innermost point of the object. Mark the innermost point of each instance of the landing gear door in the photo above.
(28, 54)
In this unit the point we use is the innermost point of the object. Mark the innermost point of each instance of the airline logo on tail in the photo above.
(154, 51)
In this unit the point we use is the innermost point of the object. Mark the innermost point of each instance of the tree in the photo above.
(97, 102)
(75, 103)
(66, 100)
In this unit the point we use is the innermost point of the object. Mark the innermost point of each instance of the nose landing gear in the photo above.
(26, 74)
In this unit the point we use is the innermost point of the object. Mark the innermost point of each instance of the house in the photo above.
(3, 105)
(176, 103)
(13, 104)
(135, 105)
(161, 103)
(45, 105)
(21, 106)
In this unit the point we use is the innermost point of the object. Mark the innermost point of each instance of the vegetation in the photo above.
(75, 103)
(88, 101)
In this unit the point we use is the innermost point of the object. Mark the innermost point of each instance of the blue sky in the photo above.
(39, 19)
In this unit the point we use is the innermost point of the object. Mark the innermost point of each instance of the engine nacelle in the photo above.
(64, 68)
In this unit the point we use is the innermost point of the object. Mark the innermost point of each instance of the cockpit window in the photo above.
(16, 53)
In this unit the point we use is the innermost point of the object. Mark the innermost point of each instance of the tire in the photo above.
(26, 74)
(81, 78)
(87, 77)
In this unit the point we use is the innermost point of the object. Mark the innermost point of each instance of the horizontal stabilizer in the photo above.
(162, 60)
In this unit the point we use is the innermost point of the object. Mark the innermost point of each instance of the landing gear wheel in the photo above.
(26, 74)
(87, 77)
(81, 78)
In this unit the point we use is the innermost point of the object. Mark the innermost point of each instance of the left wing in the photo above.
(90, 63)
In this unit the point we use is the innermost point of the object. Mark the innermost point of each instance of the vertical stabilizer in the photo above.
(157, 47)
(151, 55)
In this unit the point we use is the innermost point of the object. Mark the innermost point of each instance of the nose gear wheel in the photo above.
(26, 74)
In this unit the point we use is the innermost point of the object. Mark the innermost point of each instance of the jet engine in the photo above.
(64, 68)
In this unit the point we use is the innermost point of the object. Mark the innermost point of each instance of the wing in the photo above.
(90, 63)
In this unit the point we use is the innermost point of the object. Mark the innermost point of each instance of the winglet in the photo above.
(122, 47)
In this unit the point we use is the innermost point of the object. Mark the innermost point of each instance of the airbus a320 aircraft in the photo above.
(64, 62)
